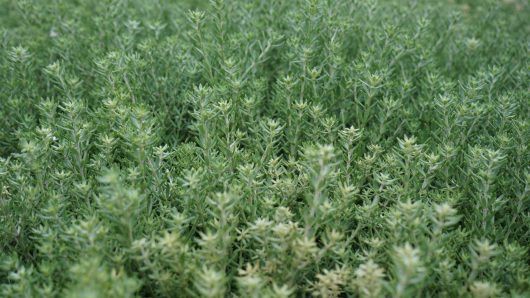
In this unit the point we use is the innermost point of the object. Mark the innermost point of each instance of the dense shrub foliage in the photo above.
(251, 148)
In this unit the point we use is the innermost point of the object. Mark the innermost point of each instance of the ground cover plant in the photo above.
(250, 148)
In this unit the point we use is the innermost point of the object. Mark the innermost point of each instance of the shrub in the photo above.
(264, 148)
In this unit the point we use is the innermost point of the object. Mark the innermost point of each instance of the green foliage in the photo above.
(253, 148)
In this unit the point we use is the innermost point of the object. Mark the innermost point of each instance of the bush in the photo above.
(326, 148)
